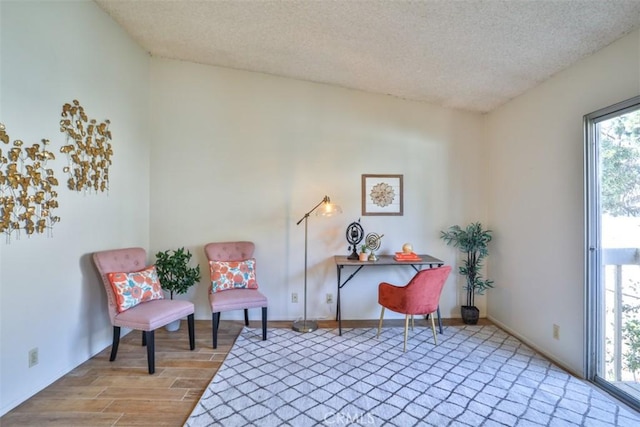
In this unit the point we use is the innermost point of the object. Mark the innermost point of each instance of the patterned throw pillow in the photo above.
(233, 275)
(133, 288)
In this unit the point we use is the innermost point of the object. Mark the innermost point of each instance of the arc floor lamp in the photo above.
(326, 209)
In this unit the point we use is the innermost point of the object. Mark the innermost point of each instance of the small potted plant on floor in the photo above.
(175, 275)
(472, 241)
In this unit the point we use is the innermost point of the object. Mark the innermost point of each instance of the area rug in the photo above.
(475, 376)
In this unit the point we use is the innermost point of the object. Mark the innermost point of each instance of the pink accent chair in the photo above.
(421, 296)
(147, 316)
(234, 299)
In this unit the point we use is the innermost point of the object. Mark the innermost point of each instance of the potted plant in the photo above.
(363, 253)
(175, 275)
(472, 241)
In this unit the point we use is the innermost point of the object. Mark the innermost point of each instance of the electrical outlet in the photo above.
(329, 298)
(294, 297)
(556, 331)
(33, 357)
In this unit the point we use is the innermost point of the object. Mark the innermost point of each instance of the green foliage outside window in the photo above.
(620, 163)
(619, 145)
(631, 333)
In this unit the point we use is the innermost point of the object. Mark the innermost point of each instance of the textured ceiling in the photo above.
(467, 54)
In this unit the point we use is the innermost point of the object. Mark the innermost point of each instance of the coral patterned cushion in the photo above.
(233, 275)
(133, 288)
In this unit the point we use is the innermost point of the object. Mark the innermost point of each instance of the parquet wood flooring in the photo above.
(122, 393)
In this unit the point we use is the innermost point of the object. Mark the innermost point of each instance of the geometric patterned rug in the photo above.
(476, 375)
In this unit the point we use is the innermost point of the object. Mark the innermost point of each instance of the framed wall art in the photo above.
(382, 195)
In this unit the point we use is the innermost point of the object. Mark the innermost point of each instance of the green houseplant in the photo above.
(472, 241)
(363, 253)
(175, 275)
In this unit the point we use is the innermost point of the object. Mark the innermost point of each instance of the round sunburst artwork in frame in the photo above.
(382, 194)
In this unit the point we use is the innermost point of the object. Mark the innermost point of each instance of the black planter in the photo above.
(470, 314)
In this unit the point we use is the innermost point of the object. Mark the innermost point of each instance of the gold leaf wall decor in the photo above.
(27, 198)
(87, 148)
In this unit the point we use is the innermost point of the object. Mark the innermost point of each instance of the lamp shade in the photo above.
(328, 209)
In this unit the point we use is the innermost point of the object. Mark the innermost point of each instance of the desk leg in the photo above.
(439, 320)
(338, 316)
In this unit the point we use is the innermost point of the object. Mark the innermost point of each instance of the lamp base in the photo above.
(304, 326)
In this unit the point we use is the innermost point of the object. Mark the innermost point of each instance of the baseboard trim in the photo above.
(525, 340)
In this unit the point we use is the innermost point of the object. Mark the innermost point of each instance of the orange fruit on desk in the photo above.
(407, 248)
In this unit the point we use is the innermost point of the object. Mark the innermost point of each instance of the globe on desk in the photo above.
(355, 234)
(372, 242)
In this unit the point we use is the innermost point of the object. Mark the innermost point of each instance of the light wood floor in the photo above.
(122, 393)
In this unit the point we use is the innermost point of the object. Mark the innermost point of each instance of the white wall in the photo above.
(239, 155)
(536, 199)
(50, 298)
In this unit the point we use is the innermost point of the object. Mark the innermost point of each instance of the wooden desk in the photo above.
(343, 261)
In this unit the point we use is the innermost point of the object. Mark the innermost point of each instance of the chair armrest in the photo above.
(391, 296)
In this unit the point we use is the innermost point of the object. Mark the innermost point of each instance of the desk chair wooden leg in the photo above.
(192, 333)
(116, 342)
(439, 319)
(246, 317)
(264, 323)
(144, 339)
(406, 331)
(151, 360)
(433, 328)
(380, 323)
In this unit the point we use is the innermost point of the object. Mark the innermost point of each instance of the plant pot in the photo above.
(470, 314)
(173, 326)
(364, 256)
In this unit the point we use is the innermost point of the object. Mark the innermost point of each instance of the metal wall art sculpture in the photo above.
(89, 153)
(27, 198)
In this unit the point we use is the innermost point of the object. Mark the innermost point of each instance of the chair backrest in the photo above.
(424, 289)
(229, 251)
(116, 261)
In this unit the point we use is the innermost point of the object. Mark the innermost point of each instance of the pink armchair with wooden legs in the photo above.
(420, 296)
(233, 283)
(135, 299)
